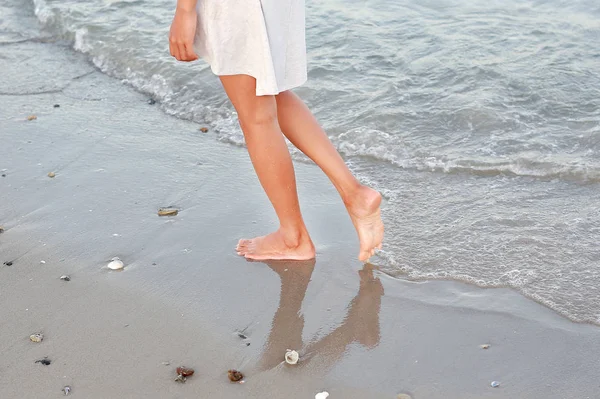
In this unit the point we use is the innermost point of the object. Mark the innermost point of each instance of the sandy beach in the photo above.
(185, 298)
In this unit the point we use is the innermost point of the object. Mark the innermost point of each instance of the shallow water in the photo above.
(479, 121)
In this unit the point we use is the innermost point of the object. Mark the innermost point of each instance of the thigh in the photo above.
(251, 109)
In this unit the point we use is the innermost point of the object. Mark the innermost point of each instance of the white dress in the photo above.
(261, 38)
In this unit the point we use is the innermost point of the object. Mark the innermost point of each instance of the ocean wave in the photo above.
(163, 81)
(382, 146)
(521, 280)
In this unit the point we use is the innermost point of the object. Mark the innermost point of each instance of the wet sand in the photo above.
(184, 297)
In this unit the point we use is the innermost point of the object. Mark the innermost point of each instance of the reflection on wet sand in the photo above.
(361, 323)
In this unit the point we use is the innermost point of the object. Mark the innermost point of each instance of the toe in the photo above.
(364, 255)
(242, 244)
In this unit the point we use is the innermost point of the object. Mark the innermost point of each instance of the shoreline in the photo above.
(184, 294)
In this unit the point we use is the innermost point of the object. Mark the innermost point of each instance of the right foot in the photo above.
(363, 208)
(277, 246)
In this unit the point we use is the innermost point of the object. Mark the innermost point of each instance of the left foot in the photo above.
(363, 208)
(277, 245)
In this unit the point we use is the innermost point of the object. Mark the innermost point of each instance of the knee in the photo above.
(259, 117)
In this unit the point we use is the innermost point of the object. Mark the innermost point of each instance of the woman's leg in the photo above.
(273, 164)
(302, 129)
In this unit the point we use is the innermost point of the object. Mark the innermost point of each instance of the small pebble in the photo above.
(235, 376)
(51, 174)
(166, 363)
(3, 174)
(485, 346)
(37, 337)
(45, 361)
(1, 229)
(66, 390)
(242, 336)
(31, 117)
(57, 106)
(204, 129)
(151, 101)
(247, 343)
(495, 384)
(43, 262)
(184, 371)
(168, 212)
(65, 278)
(9, 263)
(116, 264)
(322, 395)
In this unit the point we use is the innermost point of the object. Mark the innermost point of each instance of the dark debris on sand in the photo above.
(45, 361)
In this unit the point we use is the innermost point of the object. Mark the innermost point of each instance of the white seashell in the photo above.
(291, 357)
(322, 395)
(116, 264)
(38, 337)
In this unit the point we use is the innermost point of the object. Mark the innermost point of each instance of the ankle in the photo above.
(352, 194)
(293, 237)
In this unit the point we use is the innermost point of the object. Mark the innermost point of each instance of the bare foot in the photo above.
(363, 207)
(277, 245)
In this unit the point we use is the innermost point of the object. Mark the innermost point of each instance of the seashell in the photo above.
(180, 378)
(116, 264)
(31, 117)
(291, 357)
(184, 371)
(495, 384)
(235, 376)
(65, 278)
(168, 212)
(485, 346)
(51, 174)
(403, 396)
(204, 129)
(322, 395)
(67, 390)
(37, 337)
